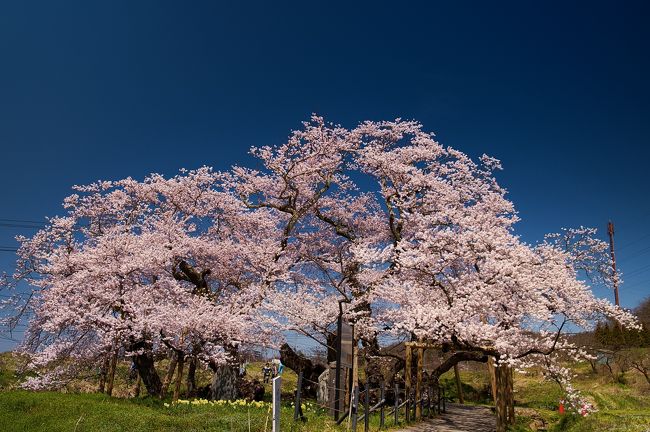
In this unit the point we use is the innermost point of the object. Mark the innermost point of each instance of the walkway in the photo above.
(458, 418)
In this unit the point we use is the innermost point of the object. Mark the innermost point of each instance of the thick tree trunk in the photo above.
(111, 373)
(298, 363)
(191, 377)
(144, 363)
(179, 376)
(224, 383)
(169, 375)
(375, 364)
(136, 388)
(103, 373)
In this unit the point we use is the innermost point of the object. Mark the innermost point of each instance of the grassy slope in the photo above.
(78, 411)
(621, 408)
(624, 408)
(29, 411)
(52, 411)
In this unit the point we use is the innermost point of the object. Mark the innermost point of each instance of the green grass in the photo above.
(621, 407)
(53, 411)
(50, 411)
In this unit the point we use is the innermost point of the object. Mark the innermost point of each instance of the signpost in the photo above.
(277, 386)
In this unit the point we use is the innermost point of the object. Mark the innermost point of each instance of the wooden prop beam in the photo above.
(418, 385)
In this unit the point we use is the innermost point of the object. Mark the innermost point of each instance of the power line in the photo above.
(638, 253)
(639, 270)
(14, 225)
(636, 284)
(22, 221)
(633, 242)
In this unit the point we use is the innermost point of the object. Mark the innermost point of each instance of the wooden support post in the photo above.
(444, 402)
(415, 405)
(382, 399)
(459, 385)
(355, 365)
(407, 381)
(505, 407)
(297, 411)
(501, 411)
(418, 385)
(491, 371)
(337, 376)
(366, 409)
(493, 378)
(348, 390)
(396, 404)
(510, 396)
(353, 408)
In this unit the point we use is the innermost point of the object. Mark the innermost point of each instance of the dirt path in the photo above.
(459, 418)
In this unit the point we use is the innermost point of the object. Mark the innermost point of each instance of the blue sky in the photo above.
(558, 91)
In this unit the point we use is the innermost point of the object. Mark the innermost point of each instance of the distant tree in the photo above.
(643, 311)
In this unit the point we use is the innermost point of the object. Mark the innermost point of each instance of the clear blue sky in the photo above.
(559, 91)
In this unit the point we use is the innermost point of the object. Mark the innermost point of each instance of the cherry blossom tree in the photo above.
(430, 252)
(416, 239)
(454, 271)
(144, 266)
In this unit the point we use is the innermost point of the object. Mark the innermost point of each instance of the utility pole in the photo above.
(610, 231)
